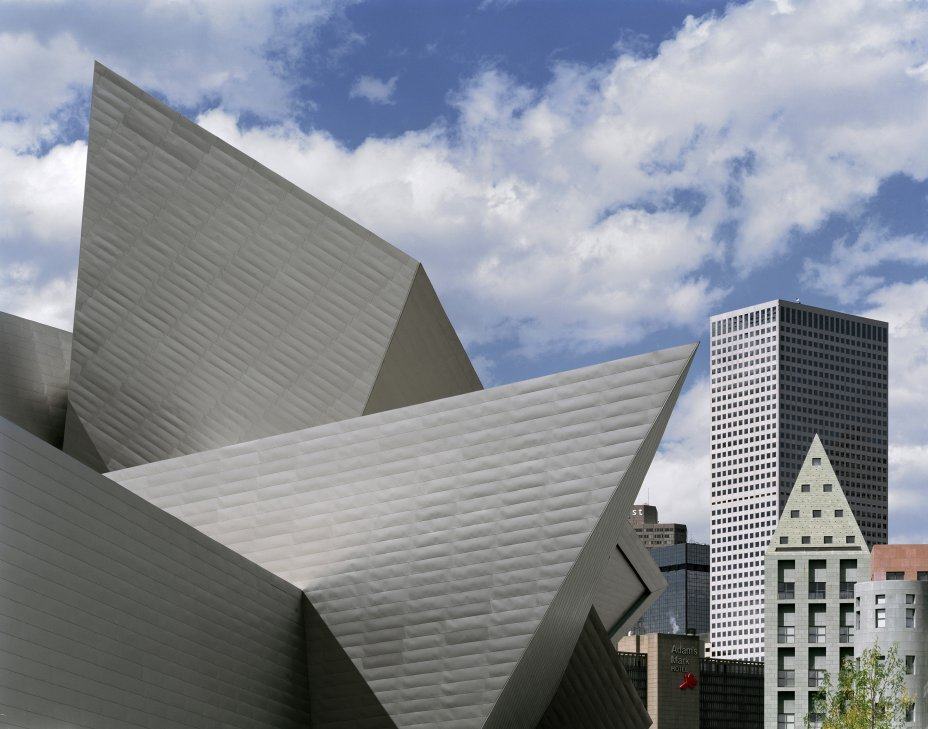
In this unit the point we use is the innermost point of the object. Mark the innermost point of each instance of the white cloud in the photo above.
(571, 208)
(375, 90)
(191, 52)
(557, 216)
(23, 292)
(678, 481)
(41, 196)
(847, 274)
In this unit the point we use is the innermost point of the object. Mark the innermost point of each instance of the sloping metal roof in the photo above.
(453, 548)
(34, 376)
(115, 614)
(218, 303)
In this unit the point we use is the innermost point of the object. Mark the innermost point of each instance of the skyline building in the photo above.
(683, 608)
(651, 531)
(812, 566)
(780, 372)
(891, 608)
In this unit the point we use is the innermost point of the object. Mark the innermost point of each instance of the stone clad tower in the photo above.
(812, 565)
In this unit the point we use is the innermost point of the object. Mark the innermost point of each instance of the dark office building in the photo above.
(684, 605)
(732, 695)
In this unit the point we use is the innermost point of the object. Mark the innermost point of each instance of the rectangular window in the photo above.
(826, 487)
(784, 540)
(805, 488)
(839, 513)
(828, 540)
(895, 575)
(850, 539)
(816, 513)
(807, 540)
(910, 617)
(879, 618)
(794, 514)
(910, 665)
(816, 461)
(880, 599)
(922, 576)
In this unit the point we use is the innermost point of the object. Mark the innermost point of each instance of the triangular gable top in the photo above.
(817, 509)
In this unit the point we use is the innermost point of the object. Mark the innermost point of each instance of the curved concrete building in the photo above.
(892, 609)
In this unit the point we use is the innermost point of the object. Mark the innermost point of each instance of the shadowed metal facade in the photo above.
(338, 527)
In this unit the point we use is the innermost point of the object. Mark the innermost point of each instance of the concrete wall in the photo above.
(114, 614)
(910, 641)
(832, 645)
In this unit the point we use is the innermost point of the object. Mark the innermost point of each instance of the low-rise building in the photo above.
(684, 690)
(892, 609)
(653, 533)
(811, 568)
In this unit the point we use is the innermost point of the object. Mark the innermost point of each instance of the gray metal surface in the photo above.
(218, 303)
(630, 583)
(34, 376)
(453, 548)
(595, 691)
(115, 615)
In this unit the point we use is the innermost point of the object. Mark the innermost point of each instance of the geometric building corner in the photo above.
(218, 303)
(503, 509)
(596, 577)
(425, 359)
(34, 376)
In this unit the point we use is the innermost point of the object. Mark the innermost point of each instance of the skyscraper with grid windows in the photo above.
(780, 373)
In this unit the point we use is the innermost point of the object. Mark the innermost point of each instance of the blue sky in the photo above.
(583, 180)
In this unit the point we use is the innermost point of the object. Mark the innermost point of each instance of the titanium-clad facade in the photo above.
(116, 614)
(34, 376)
(478, 526)
(218, 303)
(395, 547)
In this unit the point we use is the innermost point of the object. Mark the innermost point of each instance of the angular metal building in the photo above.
(313, 514)
(218, 303)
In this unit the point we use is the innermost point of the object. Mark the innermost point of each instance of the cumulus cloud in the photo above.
(26, 293)
(238, 54)
(905, 307)
(848, 272)
(374, 90)
(678, 481)
(555, 217)
(41, 196)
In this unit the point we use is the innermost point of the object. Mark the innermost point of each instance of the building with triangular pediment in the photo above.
(811, 568)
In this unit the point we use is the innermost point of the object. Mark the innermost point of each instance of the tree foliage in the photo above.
(870, 693)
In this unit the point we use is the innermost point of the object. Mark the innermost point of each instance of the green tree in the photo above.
(870, 693)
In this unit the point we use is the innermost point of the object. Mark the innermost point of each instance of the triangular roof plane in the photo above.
(453, 548)
(817, 508)
(218, 303)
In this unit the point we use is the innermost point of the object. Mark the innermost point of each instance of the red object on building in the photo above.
(689, 681)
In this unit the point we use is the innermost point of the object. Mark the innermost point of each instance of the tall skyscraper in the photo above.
(781, 372)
